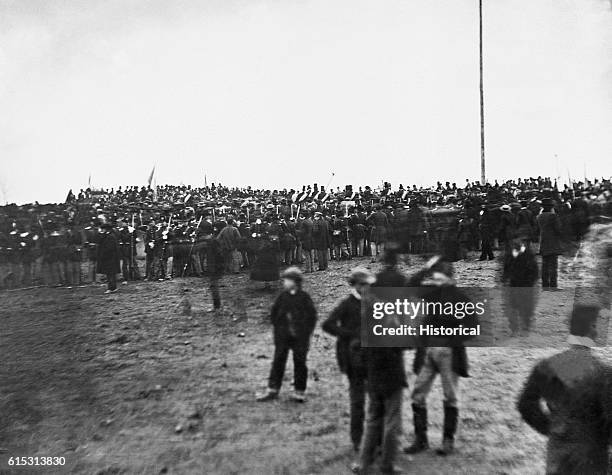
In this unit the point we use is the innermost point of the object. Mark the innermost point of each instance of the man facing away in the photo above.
(550, 243)
(568, 398)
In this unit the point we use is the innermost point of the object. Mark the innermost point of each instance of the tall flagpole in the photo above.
(483, 175)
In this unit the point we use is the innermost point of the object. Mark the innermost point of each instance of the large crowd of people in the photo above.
(67, 244)
(214, 231)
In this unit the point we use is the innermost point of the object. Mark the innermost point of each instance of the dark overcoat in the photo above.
(550, 233)
(108, 254)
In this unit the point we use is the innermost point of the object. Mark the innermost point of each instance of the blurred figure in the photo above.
(229, 238)
(304, 233)
(320, 239)
(108, 257)
(486, 227)
(293, 317)
(74, 242)
(568, 397)
(386, 380)
(91, 245)
(520, 273)
(379, 223)
(344, 322)
(439, 355)
(215, 266)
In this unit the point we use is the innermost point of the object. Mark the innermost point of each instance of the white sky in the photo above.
(279, 93)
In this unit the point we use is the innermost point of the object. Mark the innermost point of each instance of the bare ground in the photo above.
(128, 383)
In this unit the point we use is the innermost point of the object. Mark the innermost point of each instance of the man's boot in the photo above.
(451, 415)
(420, 431)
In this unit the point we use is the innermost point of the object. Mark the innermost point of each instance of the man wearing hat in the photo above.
(320, 239)
(486, 226)
(386, 380)
(304, 234)
(108, 257)
(293, 317)
(568, 397)
(344, 322)
(444, 356)
(550, 243)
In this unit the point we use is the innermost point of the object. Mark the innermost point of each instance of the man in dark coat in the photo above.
(74, 243)
(304, 234)
(379, 225)
(266, 265)
(344, 322)
(386, 380)
(486, 226)
(215, 265)
(550, 243)
(320, 239)
(108, 257)
(520, 273)
(293, 317)
(567, 398)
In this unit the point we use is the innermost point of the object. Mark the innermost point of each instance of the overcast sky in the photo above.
(279, 93)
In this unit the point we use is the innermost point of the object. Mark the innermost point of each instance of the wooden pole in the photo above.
(483, 175)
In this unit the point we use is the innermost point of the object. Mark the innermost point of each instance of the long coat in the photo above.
(550, 233)
(344, 322)
(304, 233)
(293, 315)
(108, 254)
(266, 265)
(320, 234)
(576, 389)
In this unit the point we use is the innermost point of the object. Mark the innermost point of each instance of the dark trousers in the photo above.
(549, 271)
(111, 281)
(73, 272)
(149, 266)
(214, 289)
(129, 268)
(520, 306)
(299, 348)
(384, 427)
(487, 249)
(357, 394)
(322, 255)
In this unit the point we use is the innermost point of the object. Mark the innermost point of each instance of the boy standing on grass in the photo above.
(293, 317)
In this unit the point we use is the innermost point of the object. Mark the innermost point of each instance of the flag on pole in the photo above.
(89, 181)
(150, 180)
